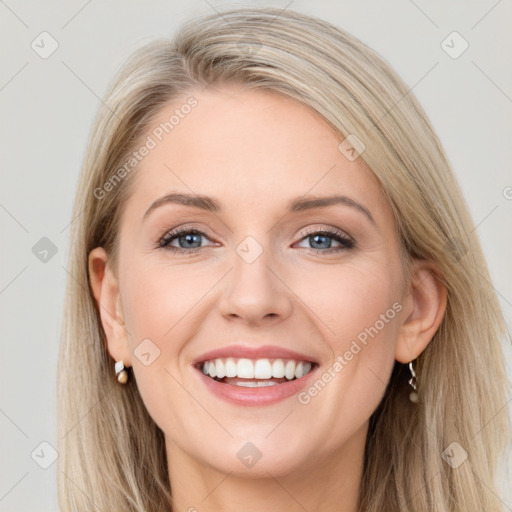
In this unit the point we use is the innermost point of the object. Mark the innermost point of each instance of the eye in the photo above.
(187, 239)
(321, 241)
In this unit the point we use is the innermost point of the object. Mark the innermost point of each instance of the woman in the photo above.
(277, 299)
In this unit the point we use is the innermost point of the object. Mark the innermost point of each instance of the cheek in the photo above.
(351, 300)
(163, 312)
(158, 315)
(159, 301)
(359, 309)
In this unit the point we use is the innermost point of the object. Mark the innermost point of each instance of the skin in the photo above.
(254, 151)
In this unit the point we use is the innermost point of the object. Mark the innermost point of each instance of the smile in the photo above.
(254, 376)
(254, 372)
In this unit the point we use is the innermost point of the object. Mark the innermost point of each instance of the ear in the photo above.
(425, 306)
(105, 288)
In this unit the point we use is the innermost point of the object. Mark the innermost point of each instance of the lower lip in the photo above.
(264, 395)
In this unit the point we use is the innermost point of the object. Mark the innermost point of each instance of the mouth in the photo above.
(255, 373)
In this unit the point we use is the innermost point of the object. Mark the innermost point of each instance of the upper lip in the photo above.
(260, 352)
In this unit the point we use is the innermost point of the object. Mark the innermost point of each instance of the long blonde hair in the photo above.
(112, 454)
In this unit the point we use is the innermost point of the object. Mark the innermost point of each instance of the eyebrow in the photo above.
(298, 204)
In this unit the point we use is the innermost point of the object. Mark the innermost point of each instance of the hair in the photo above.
(112, 454)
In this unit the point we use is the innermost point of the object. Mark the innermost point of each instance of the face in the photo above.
(255, 283)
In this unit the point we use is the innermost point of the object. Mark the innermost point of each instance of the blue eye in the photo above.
(324, 240)
(189, 238)
(186, 236)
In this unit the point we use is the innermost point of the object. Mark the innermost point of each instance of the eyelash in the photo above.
(346, 242)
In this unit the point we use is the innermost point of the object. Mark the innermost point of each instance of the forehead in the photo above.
(247, 146)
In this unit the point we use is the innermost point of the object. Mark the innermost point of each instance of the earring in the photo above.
(122, 374)
(413, 396)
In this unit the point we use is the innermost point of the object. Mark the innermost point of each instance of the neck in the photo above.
(329, 484)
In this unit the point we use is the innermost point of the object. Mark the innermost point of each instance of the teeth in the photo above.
(256, 369)
(298, 370)
(278, 369)
(231, 367)
(255, 384)
(219, 369)
(289, 371)
(244, 369)
(263, 369)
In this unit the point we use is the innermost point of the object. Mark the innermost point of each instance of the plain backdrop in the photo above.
(47, 106)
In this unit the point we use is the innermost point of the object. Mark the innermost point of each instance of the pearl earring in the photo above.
(122, 374)
(413, 396)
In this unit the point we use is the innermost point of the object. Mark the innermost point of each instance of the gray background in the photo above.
(47, 106)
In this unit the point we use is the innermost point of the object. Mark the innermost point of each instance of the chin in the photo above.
(259, 457)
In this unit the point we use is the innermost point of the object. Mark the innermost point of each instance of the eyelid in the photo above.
(315, 229)
(330, 230)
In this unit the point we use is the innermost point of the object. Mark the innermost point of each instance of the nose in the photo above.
(255, 294)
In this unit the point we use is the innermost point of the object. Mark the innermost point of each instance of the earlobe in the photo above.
(427, 300)
(105, 288)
